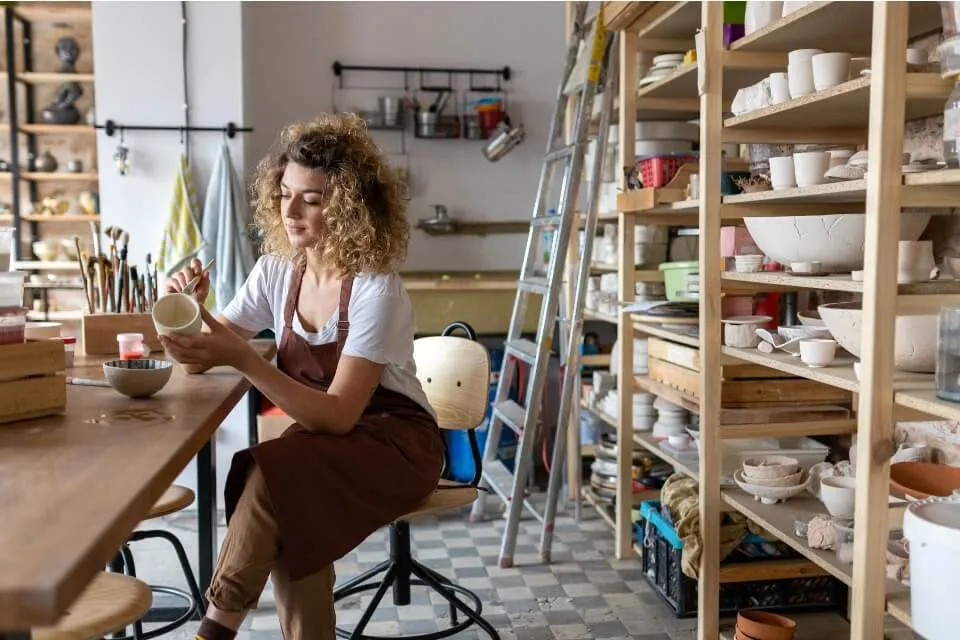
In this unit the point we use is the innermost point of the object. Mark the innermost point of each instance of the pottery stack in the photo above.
(771, 479)
(763, 625)
(672, 420)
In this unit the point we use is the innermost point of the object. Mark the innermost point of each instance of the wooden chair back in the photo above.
(455, 374)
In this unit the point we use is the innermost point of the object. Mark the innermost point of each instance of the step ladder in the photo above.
(587, 57)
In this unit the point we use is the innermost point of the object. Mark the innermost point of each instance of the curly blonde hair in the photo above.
(366, 228)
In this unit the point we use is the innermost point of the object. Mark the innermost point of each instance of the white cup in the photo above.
(779, 87)
(177, 313)
(810, 166)
(781, 173)
(817, 352)
(801, 55)
(800, 79)
(830, 69)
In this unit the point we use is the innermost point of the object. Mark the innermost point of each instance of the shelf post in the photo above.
(710, 62)
(627, 91)
(875, 407)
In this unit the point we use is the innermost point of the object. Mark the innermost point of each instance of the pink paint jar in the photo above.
(132, 346)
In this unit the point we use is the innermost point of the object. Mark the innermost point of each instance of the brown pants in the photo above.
(250, 554)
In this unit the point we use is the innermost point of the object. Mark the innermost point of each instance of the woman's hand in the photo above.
(179, 281)
(215, 347)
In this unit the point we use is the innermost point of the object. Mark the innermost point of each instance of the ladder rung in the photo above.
(524, 349)
(511, 414)
(545, 221)
(534, 285)
(561, 153)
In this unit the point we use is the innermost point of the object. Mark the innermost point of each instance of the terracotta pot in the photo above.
(924, 479)
(740, 635)
(763, 625)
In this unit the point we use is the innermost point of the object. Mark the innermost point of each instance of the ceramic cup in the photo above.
(810, 167)
(800, 79)
(839, 157)
(817, 352)
(830, 69)
(801, 55)
(741, 331)
(781, 173)
(779, 87)
(915, 262)
(177, 313)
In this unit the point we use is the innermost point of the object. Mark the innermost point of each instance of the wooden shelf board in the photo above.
(689, 340)
(595, 360)
(53, 285)
(681, 84)
(599, 507)
(610, 420)
(843, 426)
(822, 25)
(839, 374)
(39, 128)
(599, 317)
(898, 603)
(927, 178)
(846, 191)
(679, 22)
(646, 440)
(58, 176)
(779, 518)
(61, 219)
(55, 316)
(30, 265)
(839, 282)
(40, 77)
(844, 106)
(54, 11)
(926, 401)
(677, 397)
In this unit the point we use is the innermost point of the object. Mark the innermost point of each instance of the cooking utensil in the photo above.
(503, 140)
(192, 285)
(441, 222)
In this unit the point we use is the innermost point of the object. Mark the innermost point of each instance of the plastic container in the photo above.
(132, 346)
(657, 171)
(933, 529)
(69, 351)
(12, 322)
(11, 288)
(676, 279)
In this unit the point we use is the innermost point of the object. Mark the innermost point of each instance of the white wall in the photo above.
(288, 52)
(137, 60)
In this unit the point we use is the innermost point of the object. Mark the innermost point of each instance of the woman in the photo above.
(365, 448)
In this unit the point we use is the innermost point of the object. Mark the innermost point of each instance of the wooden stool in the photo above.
(174, 499)
(110, 603)
(455, 374)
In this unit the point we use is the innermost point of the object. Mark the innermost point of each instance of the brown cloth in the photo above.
(330, 492)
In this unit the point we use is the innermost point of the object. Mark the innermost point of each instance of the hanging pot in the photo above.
(503, 140)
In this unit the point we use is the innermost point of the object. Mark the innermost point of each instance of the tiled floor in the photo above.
(584, 593)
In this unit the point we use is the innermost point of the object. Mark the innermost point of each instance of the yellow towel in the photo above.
(182, 239)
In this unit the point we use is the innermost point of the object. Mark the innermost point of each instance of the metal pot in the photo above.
(503, 140)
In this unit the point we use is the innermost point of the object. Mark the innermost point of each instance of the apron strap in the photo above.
(343, 319)
(293, 294)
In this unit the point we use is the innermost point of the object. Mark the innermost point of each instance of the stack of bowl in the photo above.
(763, 625)
(771, 479)
(644, 413)
(672, 420)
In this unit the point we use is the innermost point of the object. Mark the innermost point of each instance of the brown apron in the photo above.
(331, 492)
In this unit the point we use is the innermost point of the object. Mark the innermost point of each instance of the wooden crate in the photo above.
(32, 383)
(100, 331)
(744, 384)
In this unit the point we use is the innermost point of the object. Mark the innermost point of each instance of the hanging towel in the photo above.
(225, 233)
(182, 240)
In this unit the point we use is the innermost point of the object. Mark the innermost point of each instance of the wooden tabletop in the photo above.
(73, 487)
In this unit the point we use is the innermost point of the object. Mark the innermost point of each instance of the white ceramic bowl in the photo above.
(809, 167)
(137, 378)
(810, 318)
(915, 337)
(830, 69)
(817, 352)
(177, 313)
(790, 333)
(836, 240)
(837, 493)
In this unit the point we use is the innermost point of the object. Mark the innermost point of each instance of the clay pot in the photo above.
(763, 625)
(924, 479)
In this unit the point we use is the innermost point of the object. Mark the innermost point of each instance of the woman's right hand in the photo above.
(179, 281)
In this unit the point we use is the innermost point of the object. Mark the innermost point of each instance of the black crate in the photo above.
(661, 558)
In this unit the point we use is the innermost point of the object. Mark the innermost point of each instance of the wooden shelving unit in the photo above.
(870, 110)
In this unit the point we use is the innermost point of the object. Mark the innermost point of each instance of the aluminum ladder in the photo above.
(587, 56)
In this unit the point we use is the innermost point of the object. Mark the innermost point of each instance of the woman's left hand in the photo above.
(216, 347)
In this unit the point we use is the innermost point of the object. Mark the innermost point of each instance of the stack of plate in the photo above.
(671, 419)
(663, 65)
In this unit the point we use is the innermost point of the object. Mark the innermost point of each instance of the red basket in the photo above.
(657, 171)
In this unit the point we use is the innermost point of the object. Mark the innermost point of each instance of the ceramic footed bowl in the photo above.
(137, 378)
(915, 337)
(769, 495)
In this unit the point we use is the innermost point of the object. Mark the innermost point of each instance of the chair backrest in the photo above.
(455, 374)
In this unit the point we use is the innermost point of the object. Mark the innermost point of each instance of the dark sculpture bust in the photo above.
(63, 109)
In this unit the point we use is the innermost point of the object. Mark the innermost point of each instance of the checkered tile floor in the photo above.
(584, 594)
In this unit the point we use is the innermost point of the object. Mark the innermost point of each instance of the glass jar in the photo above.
(951, 128)
(948, 354)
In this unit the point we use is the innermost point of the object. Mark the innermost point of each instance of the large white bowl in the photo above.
(915, 337)
(835, 240)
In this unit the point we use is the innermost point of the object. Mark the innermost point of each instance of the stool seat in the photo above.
(446, 497)
(109, 603)
(173, 499)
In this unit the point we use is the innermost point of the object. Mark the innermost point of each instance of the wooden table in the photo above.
(73, 487)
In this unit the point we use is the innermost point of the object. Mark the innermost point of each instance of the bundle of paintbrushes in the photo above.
(110, 283)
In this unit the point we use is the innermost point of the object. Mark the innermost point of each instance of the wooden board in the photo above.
(689, 358)
(100, 331)
(30, 385)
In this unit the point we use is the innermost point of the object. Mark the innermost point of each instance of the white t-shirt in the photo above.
(380, 313)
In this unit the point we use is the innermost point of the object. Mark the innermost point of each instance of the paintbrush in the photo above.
(131, 285)
(82, 259)
(124, 275)
(100, 282)
(149, 285)
(196, 279)
(92, 282)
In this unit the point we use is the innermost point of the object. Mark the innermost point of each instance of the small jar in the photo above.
(131, 346)
(69, 351)
(13, 321)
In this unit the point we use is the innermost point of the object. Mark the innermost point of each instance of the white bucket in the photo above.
(933, 530)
